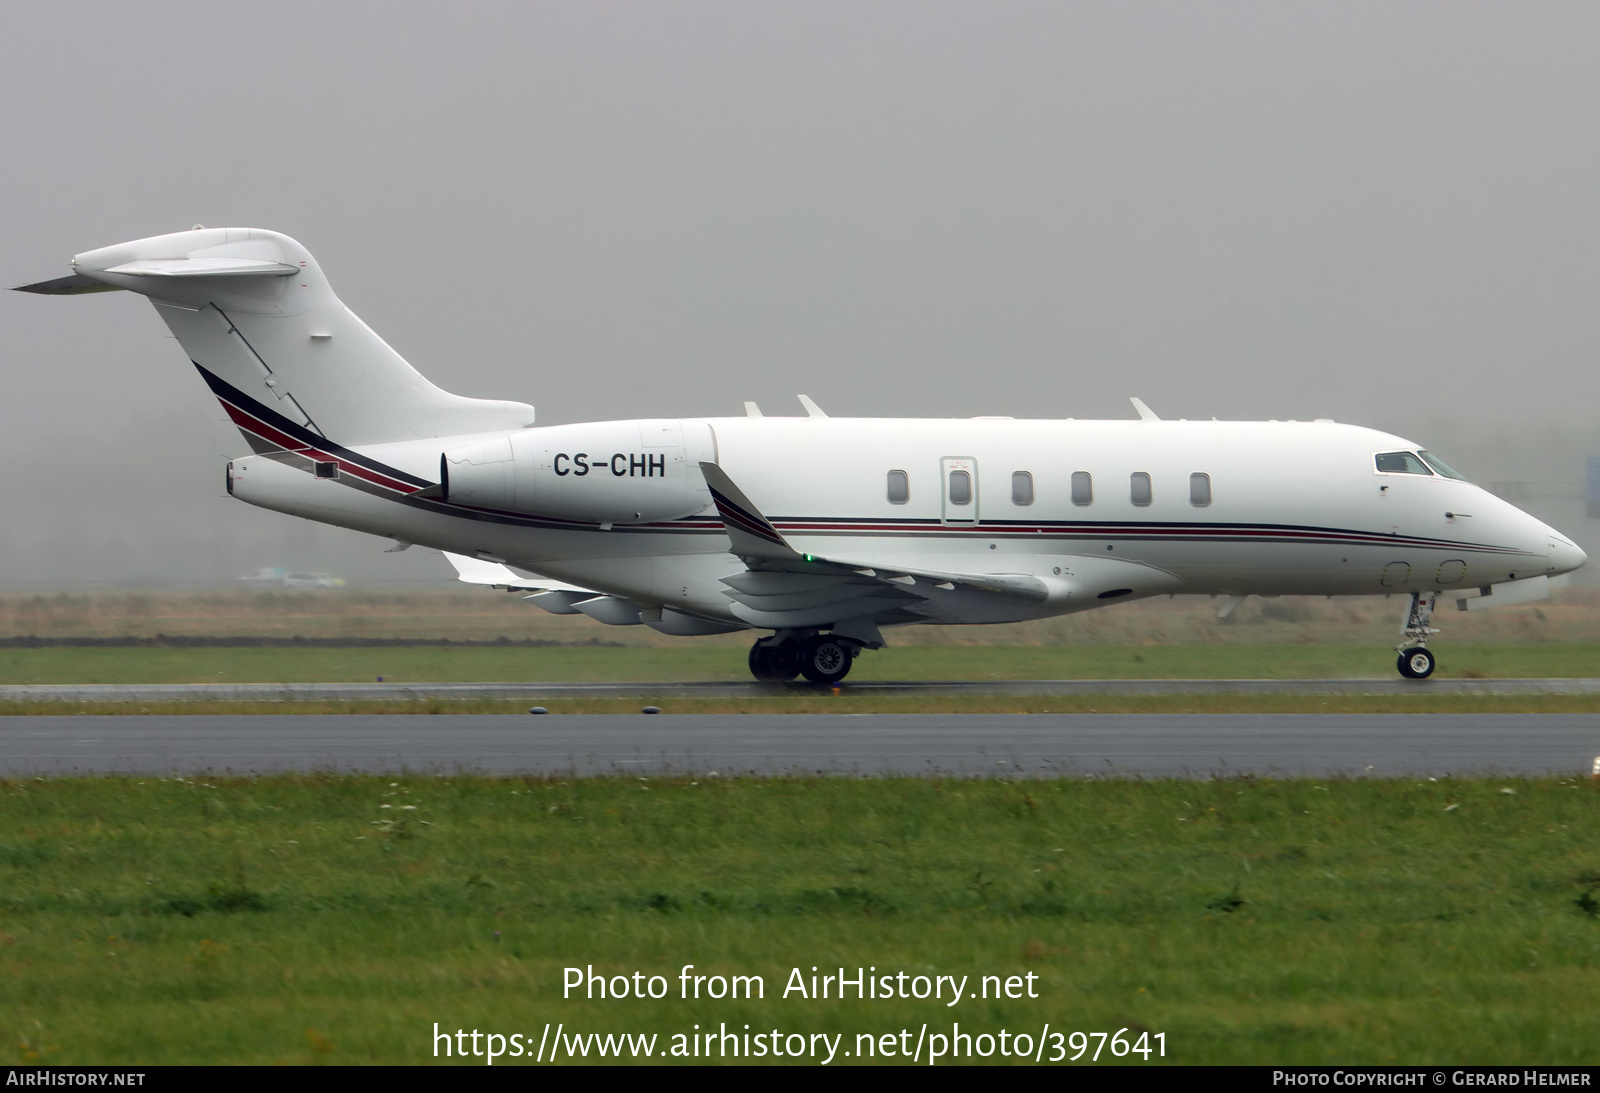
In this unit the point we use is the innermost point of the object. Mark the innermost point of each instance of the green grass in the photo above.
(294, 919)
(721, 662)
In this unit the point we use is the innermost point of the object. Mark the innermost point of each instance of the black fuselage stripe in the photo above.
(226, 391)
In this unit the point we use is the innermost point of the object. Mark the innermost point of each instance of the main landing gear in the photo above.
(821, 658)
(1415, 662)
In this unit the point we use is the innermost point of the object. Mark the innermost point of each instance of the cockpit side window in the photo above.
(1401, 463)
(1440, 466)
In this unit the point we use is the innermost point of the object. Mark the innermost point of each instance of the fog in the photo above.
(1384, 214)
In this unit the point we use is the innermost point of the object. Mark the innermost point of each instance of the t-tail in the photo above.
(279, 350)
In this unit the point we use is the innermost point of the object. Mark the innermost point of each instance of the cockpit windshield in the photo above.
(1424, 463)
(1401, 463)
(1441, 466)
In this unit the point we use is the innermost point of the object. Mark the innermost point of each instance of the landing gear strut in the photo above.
(1415, 662)
(820, 658)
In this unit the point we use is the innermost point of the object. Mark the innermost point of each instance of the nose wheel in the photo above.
(1415, 662)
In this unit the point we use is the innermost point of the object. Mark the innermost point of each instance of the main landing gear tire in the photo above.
(1415, 663)
(825, 660)
(774, 663)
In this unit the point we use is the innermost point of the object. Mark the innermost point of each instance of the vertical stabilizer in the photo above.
(257, 317)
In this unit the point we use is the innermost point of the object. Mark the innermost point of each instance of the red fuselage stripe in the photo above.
(246, 420)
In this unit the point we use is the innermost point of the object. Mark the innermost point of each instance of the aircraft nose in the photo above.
(1565, 556)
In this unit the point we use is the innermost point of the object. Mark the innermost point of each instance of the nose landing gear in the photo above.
(819, 658)
(1415, 662)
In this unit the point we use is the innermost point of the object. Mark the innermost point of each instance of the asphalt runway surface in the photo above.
(659, 691)
(1005, 745)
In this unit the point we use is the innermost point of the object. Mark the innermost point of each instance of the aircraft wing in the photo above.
(499, 575)
(556, 597)
(782, 587)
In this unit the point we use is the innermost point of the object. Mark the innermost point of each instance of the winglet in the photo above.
(752, 534)
(1145, 413)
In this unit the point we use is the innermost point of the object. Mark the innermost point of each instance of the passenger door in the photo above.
(959, 476)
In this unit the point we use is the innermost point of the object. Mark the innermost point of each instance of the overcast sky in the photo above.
(1384, 213)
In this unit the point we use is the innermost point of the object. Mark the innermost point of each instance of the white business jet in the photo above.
(822, 530)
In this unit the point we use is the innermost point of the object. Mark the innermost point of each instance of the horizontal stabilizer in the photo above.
(204, 267)
(76, 285)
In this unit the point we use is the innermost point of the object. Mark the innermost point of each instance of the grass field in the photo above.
(455, 612)
(721, 662)
(295, 919)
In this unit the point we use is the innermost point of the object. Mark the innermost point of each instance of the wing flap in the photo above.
(770, 591)
(922, 580)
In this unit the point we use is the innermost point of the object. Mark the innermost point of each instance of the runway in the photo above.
(1007, 745)
(665, 690)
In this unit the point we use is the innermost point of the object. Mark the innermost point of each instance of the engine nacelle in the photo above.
(609, 472)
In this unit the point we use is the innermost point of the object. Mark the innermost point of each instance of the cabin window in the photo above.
(1199, 490)
(1022, 487)
(327, 470)
(1082, 488)
(1401, 463)
(899, 488)
(960, 488)
(1440, 466)
(1139, 487)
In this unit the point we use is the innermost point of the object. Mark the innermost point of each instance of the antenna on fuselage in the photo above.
(1145, 413)
(811, 408)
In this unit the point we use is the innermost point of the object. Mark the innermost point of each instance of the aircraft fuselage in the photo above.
(1283, 508)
